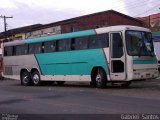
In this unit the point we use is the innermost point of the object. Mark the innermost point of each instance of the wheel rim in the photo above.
(36, 79)
(25, 79)
(98, 79)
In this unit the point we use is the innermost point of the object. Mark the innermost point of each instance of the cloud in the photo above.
(141, 7)
(7, 4)
(27, 12)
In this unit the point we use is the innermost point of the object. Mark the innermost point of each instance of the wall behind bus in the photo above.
(101, 19)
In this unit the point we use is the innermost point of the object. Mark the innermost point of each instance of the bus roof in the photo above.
(77, 34)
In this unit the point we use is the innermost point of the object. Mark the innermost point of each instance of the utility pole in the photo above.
(1, 44)
(5, 25)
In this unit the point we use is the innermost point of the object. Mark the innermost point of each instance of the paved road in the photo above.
(141, 97)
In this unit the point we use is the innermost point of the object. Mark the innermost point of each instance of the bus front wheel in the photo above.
(36, 78)
(99, 78)
(25, 78)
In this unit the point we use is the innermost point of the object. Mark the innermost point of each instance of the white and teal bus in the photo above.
(111, 54)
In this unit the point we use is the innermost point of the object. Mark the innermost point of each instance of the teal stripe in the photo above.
(144, 62)
(78, 62)
(61, 36)
(155, 33)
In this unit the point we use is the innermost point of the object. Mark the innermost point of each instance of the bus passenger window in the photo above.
(8, 51)
(68, 44)
(63, 45)
(50, 46)
(81, 43)
(99, 41)
(21, 50)
(35, 48)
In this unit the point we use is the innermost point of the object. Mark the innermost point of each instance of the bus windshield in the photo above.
(139, 43)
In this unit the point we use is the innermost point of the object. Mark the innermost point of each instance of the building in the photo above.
(17, 33)
(101, 19)
(91, 21)
(152, 22)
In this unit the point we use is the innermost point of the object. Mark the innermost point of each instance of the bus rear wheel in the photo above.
(36, 78)
(99, 78)
(25, 78)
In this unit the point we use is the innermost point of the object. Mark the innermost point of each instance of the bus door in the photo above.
(117, 57)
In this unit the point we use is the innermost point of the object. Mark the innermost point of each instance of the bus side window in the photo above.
(35, 48)
(99, 41)
(68, 44)
(63, 45)
(8, 51)
(81, 43)
(50, 46)
(20, 49)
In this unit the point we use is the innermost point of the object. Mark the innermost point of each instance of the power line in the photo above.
(132, 5)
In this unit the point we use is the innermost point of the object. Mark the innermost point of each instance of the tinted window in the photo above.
(63, 45)
(117, 48)
(8, 51)
(99, 41)
(50, 46)
(35, 48)
(81, 43)
(21, 50)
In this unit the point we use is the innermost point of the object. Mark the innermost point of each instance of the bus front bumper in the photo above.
(145, 74)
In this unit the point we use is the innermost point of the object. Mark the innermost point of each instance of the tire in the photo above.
(99, 78)
(25, 78)
(60, 82)
(36, 80)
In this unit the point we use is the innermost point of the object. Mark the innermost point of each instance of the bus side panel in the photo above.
(14, 64)
(72, 63)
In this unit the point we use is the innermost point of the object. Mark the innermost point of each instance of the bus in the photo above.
(119, 54)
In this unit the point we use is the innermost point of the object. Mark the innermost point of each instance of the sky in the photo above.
(28, 12)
